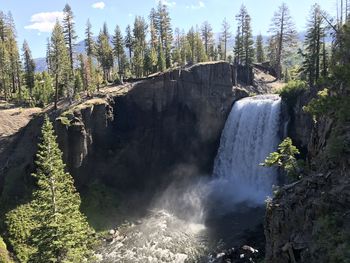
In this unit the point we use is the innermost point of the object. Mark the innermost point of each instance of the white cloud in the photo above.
(199, 5)
(45, 21)
(98, 5)
(168, 3)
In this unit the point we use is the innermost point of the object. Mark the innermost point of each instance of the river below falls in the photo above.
(163, 237)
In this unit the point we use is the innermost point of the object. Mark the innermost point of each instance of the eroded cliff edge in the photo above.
(137, 135)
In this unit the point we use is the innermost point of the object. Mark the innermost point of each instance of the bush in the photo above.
(285, 158)
(291, 91)
(19, 227)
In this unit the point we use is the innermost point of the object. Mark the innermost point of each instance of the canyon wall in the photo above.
(309, 220)
(167, 125)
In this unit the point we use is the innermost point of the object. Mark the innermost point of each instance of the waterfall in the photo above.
(176, 229)
(250, 134)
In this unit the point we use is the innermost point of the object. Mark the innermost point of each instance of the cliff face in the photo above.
(138, 134)
(166, 126)
(309, 220)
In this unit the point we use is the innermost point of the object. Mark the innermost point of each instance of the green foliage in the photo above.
(29, 67)
(19, 224)
(51, 228)
(10, 66)
(225, 37)
(4, 255)
(60, 63)
(260, 55)
(291, 91)
(285, 158)
(69, 33)
(314, 41)
(105, 53)
(325, 104)
(43, 92)
(244, 50)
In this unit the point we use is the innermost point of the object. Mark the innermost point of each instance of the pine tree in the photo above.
(105, 53)
(260, 54)
(63, 234)
(153, 29)
(313, 45)
(4, 58)
(184, 47)
(13, 53)
(225, 36)
(200, 48)
(244, 50)
(139, 36)
(60, 65)
(118, 45)
(161, 64)
(191, 40)
(29, 67)
(129, 42)
(43, 92)
(176, 55)
(89, 40)
(69, 33)
(48, 56)
(207, 36)
(164, 31)
(283, 34)
(238, 49)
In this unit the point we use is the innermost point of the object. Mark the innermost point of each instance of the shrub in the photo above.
(285, 158)
(19, 225)
(290, 92)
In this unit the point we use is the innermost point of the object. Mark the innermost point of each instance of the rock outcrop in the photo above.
(309, 221)
(164, 126)
(300, 124)
(153, 131)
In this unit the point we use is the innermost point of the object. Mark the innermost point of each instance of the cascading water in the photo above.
(175, 229)
(250, 134)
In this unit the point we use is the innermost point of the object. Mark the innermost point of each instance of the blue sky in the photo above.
(34, 18)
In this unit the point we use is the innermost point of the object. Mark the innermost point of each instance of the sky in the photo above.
(34, 19)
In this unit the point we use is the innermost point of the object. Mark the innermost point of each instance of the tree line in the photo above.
(148, 46)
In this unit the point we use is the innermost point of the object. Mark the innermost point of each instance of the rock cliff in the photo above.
(160, 127)
(136, 135)
(309, 221)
